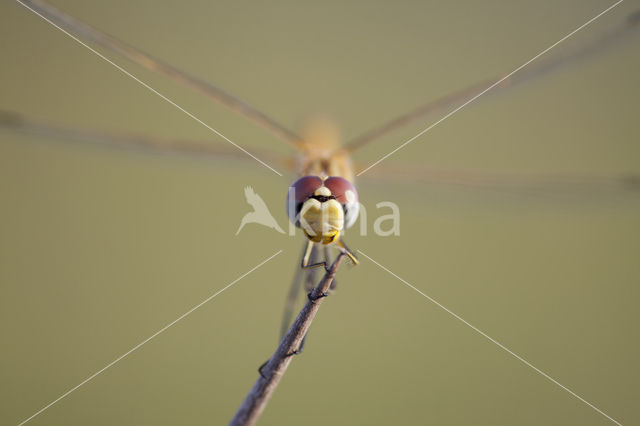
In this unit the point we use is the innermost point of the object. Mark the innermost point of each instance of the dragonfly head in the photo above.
(322, 207)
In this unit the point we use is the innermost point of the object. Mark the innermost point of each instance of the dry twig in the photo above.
(261, 392)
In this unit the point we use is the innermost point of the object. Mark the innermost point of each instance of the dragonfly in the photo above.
(318, 153)
(323, 166)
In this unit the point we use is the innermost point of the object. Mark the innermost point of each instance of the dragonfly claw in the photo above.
(313, 299)
(261, 368)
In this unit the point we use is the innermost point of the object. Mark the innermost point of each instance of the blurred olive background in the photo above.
(100, 248)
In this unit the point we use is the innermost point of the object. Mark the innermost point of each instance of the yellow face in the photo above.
(322, 219)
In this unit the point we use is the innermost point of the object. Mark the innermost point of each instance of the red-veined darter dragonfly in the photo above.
(320, 160)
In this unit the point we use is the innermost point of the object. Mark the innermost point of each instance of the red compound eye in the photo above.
(340, 188)
(346, 194)
(299, 192)
(305, 187)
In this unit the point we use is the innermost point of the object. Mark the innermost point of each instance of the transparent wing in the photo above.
(629, 28)
(535, 184)
(145, 60)
(23, 124)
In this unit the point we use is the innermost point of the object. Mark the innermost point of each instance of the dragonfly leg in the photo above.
(300, 348)
(311, 273)
(307, 262)
(327, 259)
(346, 250)
(314, 298)
(295, 352)
(262, 366)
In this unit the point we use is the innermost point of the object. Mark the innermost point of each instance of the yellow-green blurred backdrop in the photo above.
(100, 248)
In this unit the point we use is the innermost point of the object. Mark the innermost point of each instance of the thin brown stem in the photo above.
(259, 395)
